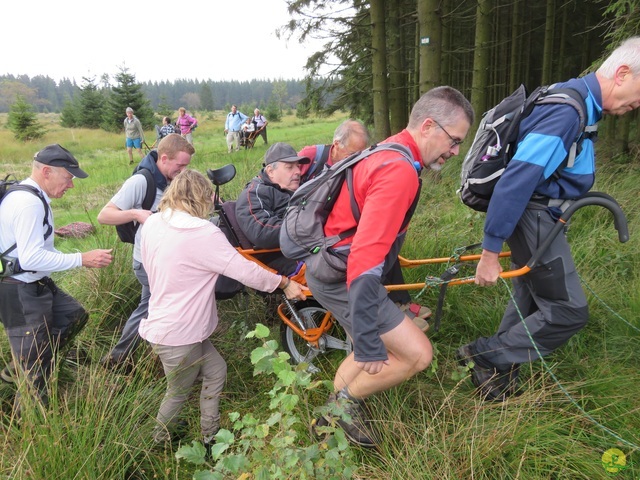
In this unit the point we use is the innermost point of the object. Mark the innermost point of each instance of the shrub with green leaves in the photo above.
(276, 446)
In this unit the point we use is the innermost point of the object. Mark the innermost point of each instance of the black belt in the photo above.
(41, 283)
(10, 280)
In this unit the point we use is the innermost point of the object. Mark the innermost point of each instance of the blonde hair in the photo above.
(189, 192)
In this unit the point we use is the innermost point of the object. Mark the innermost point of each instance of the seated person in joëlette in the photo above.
(262, 204)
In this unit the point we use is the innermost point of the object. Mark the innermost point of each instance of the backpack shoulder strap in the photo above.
(150, 195)
(571, 96)
(351, 161)
(28, 188)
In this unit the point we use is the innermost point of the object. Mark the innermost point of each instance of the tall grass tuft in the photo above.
(582, 401)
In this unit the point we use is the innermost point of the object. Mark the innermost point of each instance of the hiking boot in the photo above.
(491, 383)
(8, 373)
(418, 314)
(355, 430)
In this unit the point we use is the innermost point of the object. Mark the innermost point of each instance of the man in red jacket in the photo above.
(388, 347)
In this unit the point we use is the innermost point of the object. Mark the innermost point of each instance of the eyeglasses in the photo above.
(454, 141)
(65, 174)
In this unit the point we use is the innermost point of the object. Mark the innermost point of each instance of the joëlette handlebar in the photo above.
(591, 198)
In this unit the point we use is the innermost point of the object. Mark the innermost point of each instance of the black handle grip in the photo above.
(591, 198)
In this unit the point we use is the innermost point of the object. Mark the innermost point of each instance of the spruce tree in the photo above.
(23, 122)
(127, 93)
(91, 104)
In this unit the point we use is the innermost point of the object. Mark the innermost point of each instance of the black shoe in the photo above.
(355, 430)
(491, 383)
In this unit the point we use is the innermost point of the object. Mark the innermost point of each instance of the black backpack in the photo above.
(302, 231)
(11, 265)
(495, 142)
(127, 231)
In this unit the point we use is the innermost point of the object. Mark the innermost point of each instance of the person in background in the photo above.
(524, 207)
(388, 348)
(232, 127)
(261, 125)
(351, 137)
(166, 128)
(248, 130)
(184, 254)
(173, 155)
(133, 133)
(38, 316)
(186, 124)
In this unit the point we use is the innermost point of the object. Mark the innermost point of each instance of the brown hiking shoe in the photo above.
(354, 429)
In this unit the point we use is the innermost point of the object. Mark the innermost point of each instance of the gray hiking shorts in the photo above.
(335, 298)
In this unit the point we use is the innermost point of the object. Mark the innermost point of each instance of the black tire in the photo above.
(334, 345)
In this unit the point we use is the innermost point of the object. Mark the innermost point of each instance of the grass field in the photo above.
(579, 403)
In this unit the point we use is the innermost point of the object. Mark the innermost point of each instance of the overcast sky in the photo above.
(156, 40)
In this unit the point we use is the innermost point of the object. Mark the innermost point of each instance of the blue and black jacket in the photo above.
(544, 140)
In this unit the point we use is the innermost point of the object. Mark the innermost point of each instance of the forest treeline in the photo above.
(47, 95)
(379, 56)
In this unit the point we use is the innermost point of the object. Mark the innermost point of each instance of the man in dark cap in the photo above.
(261, 206)
(39, 317)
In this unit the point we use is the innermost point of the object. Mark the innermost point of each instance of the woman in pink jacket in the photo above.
(183, 254)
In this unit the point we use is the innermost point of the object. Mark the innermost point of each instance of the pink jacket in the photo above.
(183, 257)
(185, 123)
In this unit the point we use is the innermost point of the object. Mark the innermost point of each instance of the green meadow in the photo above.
(577, 404)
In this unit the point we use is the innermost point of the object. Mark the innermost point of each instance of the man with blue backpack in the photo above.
(535, 188)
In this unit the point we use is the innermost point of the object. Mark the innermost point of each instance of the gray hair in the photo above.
(129, 109)
(348, 129)
(628, 53)
(443, 104)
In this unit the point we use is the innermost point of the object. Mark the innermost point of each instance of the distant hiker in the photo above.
(232, 128)
(186, 124)
(261, 125)
(133, 133)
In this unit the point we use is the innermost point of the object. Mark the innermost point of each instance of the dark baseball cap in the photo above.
(283, 152)
(57, 156)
